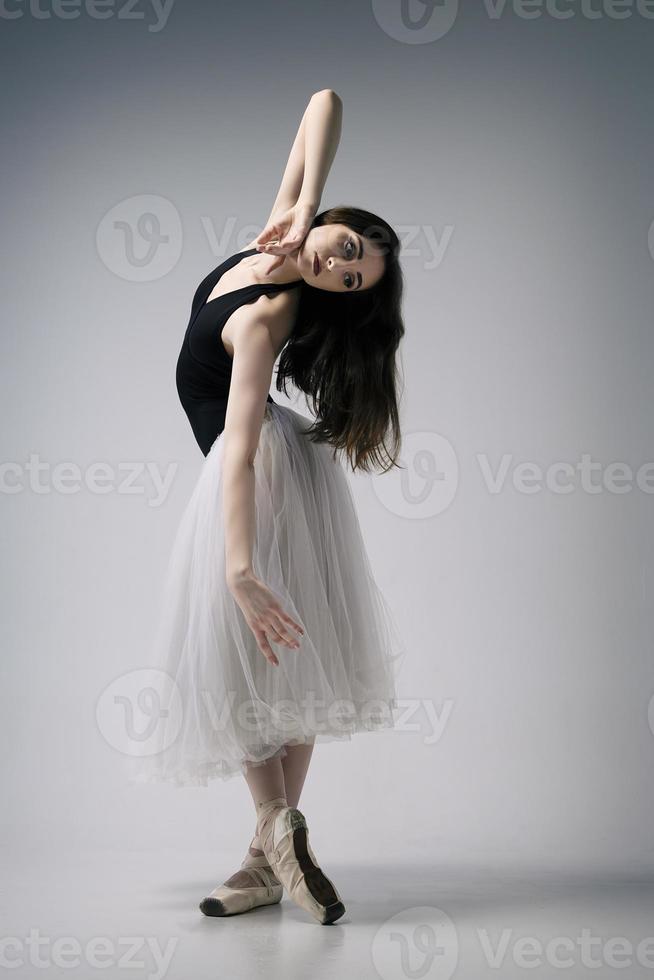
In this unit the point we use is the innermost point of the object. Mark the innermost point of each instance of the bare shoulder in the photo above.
(277, 313)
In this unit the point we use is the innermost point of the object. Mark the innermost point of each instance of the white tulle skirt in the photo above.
(227, 705)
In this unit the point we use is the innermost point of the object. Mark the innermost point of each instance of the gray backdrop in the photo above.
(511, 147)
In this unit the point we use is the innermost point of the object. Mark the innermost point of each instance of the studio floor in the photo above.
(135, 914)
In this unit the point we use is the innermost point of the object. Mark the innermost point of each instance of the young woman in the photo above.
(274, 630)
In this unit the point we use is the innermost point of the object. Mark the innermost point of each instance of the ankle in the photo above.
(275, 801)
(267, 811)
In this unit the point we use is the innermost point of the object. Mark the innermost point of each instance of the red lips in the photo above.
(316, 264)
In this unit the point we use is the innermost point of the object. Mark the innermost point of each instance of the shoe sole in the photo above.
(319, 885)
(214, 907)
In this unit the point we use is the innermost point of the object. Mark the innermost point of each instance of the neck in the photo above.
(286, 272)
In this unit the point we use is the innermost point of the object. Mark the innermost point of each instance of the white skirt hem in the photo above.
(310, 552)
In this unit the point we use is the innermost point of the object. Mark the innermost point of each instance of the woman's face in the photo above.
(335, 258)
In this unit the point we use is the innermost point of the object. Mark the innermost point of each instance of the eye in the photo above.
(350, 250)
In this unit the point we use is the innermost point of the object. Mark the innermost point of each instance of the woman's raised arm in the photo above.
(299, 196)
(322, 136)
(289, 189)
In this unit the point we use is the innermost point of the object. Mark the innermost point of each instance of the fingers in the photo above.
(270, 232)
(283, 621)
(294, 238)
(264, 646)
(284, 635)
(272, 621)
(287, 244)
(274, 248)
(289, 619)
(262, 246)
(279, 634)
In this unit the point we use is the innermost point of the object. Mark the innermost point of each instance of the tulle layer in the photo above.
(226, 705)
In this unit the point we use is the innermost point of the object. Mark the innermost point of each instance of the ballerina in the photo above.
(273, 628)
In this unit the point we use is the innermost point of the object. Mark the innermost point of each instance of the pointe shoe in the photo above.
(284, 838)
(265, 889)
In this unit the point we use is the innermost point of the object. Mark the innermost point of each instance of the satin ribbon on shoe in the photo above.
(283, 834)
(266, 889)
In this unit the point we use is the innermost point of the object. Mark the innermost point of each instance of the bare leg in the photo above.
(294, 765)
(266, 780)
(277, 780)
(283, 836)
(265, 783)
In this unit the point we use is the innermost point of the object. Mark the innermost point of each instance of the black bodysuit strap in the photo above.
(252, 288)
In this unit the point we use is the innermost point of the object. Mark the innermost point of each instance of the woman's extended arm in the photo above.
(299, 195)
(323, 123)
(289, 189)
(254, 359)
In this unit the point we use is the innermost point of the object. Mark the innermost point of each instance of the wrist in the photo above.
(238, 576)
(309, 202)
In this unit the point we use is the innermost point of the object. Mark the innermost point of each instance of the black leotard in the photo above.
(204, 368)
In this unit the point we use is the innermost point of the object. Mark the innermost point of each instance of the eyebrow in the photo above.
(358, 273)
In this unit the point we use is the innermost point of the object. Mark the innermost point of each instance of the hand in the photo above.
(286, 229)
(264, 615)
(274, 261)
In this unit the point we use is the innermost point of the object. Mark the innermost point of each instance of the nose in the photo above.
(333, 261)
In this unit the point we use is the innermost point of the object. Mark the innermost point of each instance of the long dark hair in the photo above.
(341, 353)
